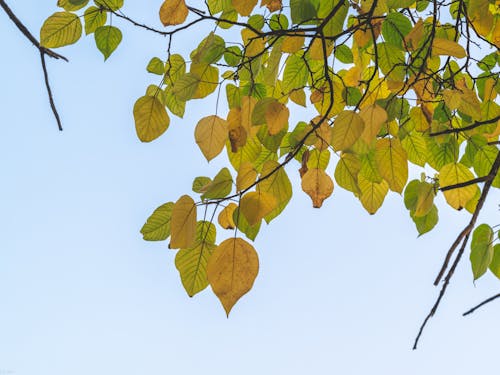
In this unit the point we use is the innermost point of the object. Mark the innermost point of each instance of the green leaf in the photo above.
(495, 262)
(174, 104)
(295, 74)
(243, 226)
(481, 250)
(192, 262)
(302, 10)
(185, 86)
(60, 29)
(107, 39)
(156, 66)
(391, 61)
(395, 27)
(346, 172)
(72, 5)
(157, 227)
(109, 4)
(220, 187)
(94, 18)
(344, 54)
(210, 50)
(426, 223)
(200, 184)
(416, 148)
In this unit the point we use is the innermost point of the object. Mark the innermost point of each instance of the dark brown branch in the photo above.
(464, 238)
(481, 304)
(49, 91)
(469, 127)
(466, 183)
(43, 51)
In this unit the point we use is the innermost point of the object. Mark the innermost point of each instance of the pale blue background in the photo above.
(338, 291)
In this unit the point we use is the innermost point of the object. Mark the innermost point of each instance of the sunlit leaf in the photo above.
(451, 175)
(151, 118)
(481, 253)
(157, 227)
(318, 185)
(232, 270)
(60, 29)
(173, 12)
(211, 136)
(107, 39)
(183, 223)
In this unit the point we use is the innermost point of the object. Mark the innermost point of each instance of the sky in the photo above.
(338, 291)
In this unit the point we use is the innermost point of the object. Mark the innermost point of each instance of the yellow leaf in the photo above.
(276, 117)
(255, 205)
(244, 7)
(374, 116)
(347, 128)
(318, 185)
(292, 43)
(211, 134)
(352, 77)
(246, 176)
(298, 97)
(278, 185)
(316, 50)
(490, 92)
(254, 44)
(441, 46)
(419, 119)
(151, 118)
(232, 270)
(60, 29)
(323, 133)
(346, 172)
(372, 193)
(173, 12)
(183, 223)
(225, 217)
(247, 107)
(480, 16)
(452, 174)
(208, 76)
(470, 104)
(392, 163)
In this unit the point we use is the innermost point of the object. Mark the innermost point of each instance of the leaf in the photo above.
(481, 253)
(94, 18)
(374, 116)
(426, 223)
(151, 118)
(157, 227)
(395, 27)
(156, 66)
(220, 187)
(276, 117)
(243, 226)
(447, 47)
(173, 12)
(60, 29)
(183, 223)
(452, 174)
(109, 4)
(192, 262)
(107, 39)
(244, 7)
(256, 205)
(225, 217)
(295, 74)
(185, 86)
(200, 184)
(210, 50)
(347, 128)
(72, 5)
(208, 79)
(318, 185)
(211, 136)
(392, 163)
(278, 185)
(372, 193)
(495, 262)
(346, 172)
(232, 270)
(416, 148)
(302, 10)
(246, 176)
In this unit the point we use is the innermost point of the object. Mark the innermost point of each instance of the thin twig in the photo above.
(465, 234)
(481, 304)
(43, 51)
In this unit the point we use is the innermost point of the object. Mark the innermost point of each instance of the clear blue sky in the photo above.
(339, 291)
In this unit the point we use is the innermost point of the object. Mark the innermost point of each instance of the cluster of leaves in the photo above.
(391, 83)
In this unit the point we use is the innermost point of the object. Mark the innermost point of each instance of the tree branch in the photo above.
(469, 127)
(43, 51)
(481, 304)
(464, 238)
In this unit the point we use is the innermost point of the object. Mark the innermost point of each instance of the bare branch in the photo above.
(486, 301)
